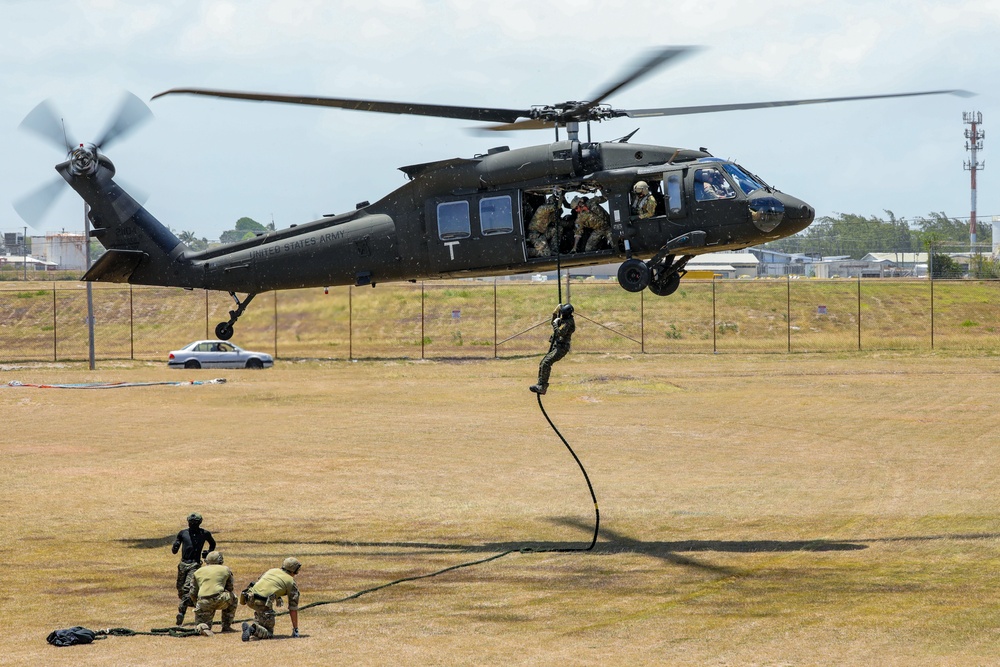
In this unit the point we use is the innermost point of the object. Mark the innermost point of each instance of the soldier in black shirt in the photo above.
(191, 543)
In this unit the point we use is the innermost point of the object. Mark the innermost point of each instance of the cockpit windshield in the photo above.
(746, 182)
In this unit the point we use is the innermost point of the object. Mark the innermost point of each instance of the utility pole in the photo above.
(974, 142)
(90, 287)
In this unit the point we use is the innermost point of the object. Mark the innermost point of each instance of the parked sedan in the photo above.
(217, 354)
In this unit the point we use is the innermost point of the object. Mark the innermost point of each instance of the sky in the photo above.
(204, 163)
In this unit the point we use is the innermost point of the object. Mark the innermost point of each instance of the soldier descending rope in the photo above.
(563, 326)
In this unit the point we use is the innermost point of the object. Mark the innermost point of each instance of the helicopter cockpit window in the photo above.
(453, 220)
(496, 215)
(709, 184)
(746, 182)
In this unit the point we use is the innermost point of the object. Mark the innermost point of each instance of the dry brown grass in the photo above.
(755, 510)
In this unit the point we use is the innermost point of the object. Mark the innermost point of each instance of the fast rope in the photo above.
(178, 631)
(114, 385)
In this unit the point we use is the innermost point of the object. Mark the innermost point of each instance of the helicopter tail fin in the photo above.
(140, 249)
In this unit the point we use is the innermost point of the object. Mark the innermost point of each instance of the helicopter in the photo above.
(458, 217)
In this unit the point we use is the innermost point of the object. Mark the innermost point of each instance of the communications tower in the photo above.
(974, 142)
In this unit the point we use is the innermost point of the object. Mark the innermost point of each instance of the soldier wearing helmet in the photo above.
(265, 594)
(191, 543)
(563, 326)
(645, 204)
(210, 588)
(543, 228)
(590, 215)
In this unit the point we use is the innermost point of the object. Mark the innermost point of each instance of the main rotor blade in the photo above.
(132, 112)
(655, 60)
(712, 108)
(408, 108)
(44, 121)
(530, 124)
(33, 206)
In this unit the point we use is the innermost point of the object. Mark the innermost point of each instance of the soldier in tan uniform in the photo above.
(645, 204)
(590, 215)
(543, 228)
(265, 594)
(210, 588)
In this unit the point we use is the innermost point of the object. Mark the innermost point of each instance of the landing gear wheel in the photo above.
(224, 331)
(665, 286)
(633, 275)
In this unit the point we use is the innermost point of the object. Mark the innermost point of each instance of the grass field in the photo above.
(755, 510)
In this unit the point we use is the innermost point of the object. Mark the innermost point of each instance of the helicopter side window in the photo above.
(674, 200)
(496, 215)
(453, 220)
(710, 184)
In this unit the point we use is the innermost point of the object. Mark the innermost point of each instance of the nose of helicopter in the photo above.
(798, 216)
(780, 214)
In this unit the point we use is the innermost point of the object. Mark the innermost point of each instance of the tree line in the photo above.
(855, 236)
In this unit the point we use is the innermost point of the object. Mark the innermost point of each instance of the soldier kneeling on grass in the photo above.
(265, 594)
(210, 588)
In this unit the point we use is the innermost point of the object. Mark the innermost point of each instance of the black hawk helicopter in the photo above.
(459, 217)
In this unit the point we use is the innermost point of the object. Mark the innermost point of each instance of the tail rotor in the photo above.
(45, 122)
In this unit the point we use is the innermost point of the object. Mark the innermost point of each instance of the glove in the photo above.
(295, 632)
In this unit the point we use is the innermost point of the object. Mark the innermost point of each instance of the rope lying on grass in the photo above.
(113, 385)
(178, 631)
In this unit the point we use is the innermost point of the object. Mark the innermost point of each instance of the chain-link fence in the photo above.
(48, 321)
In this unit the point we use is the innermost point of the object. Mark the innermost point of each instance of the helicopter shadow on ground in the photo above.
(609, 542)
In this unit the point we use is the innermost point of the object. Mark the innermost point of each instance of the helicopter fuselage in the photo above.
(458, 218)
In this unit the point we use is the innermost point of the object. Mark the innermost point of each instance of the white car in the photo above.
(217, 354)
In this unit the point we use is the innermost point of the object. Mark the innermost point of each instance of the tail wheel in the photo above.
(192, 363)
(633, 275)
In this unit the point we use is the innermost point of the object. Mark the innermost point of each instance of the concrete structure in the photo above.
(897, 264)
(66, 250)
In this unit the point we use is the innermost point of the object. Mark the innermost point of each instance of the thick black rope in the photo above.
(590, 487)
(178, 631)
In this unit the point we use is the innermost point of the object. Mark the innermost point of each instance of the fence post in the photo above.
(788, 309)
(494, 318)
(642, 322)
(275, 324)
(206, 313)
(55, 335)
(131, 325)
(859, 313)
(422, 336)
(350, 322)
(715, 348)
(932, 309)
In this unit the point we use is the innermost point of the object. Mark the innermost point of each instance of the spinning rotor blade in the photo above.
(43, 121)
(656, 60)
(683, 111)
(33, 206)
(413, 109)
(132, 112)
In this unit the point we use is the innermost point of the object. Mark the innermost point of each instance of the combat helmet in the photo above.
(291, 565)
(641, 188)
(194, 517)
(214, 558)
(566, 309)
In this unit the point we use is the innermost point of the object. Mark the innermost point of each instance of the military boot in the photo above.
(539, 388)
(180, 618)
